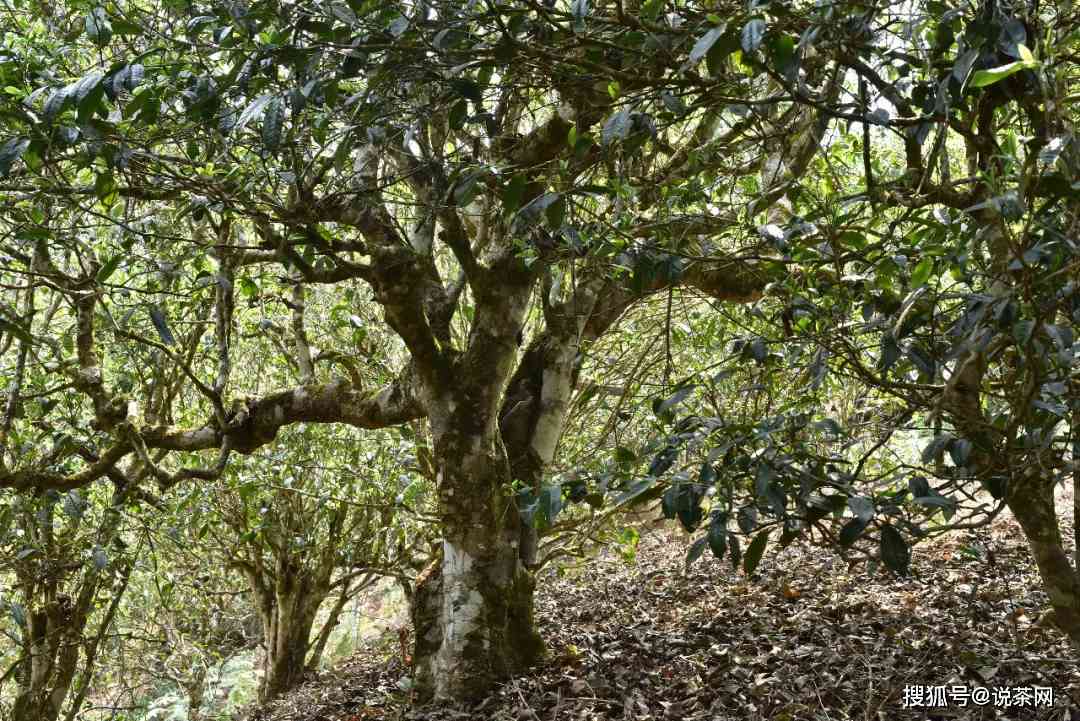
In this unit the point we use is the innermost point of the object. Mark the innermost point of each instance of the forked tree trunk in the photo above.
(473, 610)
(288, 614)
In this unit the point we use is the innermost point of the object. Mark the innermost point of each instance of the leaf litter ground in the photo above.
(807, 637)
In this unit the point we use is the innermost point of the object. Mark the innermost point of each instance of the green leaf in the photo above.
(703, 45)
(273, 122)
(669, 502)
(894, 550)
(663, 461)
(101, 559)
(983, 78)
(747, 519)
(98, 27)
(673, 103)
(960, 451)
(18, 614)
(782, 52)
(624, 456)
(556, 212)
(759, 351)
(83, 87)
(459, 111)
(755, 551)
(936, 447)
(157, 315)
(752, 35)
(123, 27)
(675, 399)
(695, 551)
(74, 505)
(862, 507)
(108, 268)
(528, 216)
(640, 492)
(513, 192)
(551, 502)
(467, 187)
(105, 187)
(922, 271)
(580, 9)
(717, 535)
(57, 102)
(253, 110)
(688, 505)
(851, 532)
(617, 127)
(10, 151)
(1022, 331)
(890, 352)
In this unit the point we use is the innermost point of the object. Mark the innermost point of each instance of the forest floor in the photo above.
(806, 637)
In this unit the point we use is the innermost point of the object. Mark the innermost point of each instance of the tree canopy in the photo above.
(435, 290)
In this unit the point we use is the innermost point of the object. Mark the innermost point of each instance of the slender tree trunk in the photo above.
(318, 646)
(196, 690)
(1031, 501)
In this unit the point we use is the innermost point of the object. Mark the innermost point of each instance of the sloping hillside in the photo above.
(807, 638)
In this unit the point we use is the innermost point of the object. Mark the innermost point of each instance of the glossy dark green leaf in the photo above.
(752, 35)
(551, 502)
(922, 271)
(983, 78)
(617, 127)
(108, 268)
(157, 315)
(98, 27)
(252, 111)
(273, 123)
(747, 519)
(717, 535)
(513, 192)
(11, 150)
(57, 102)
(755, 551)
(862, 507)
(936, 447)
(890, 352)
(851, 532)
(673, 400)
(704, 44)
(695, 551)
(459, 112)
(101, 559)
(18, 614)
(895, 553)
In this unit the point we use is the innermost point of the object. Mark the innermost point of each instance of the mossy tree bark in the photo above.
(1031, 500)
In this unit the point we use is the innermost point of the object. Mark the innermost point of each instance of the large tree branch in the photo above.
(253, 424)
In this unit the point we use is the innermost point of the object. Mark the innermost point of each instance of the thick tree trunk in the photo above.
(1031, 501)
(473, 610)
